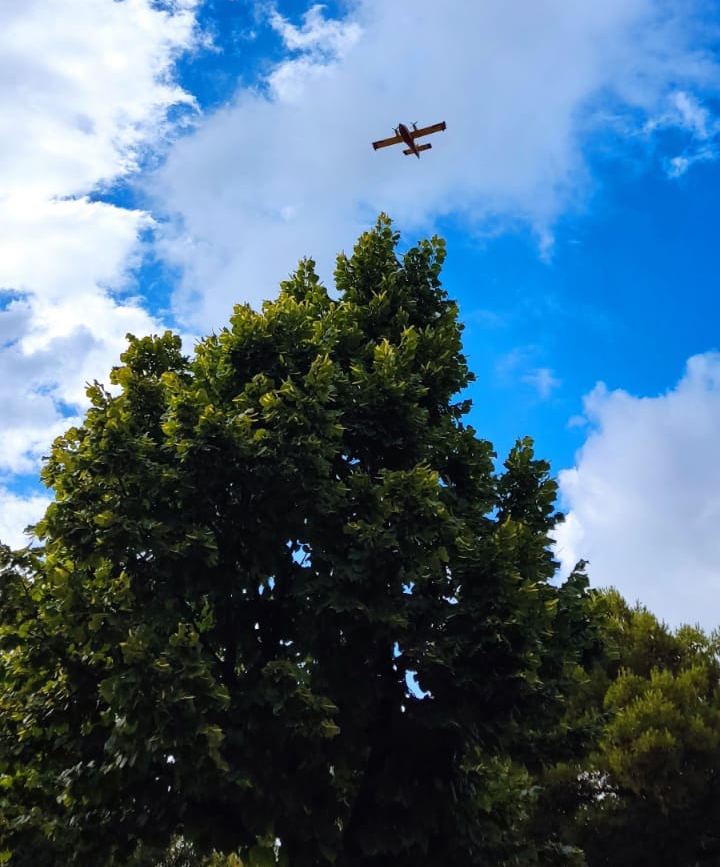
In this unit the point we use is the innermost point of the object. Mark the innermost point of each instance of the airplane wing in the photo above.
(386, 142)
(428, 130)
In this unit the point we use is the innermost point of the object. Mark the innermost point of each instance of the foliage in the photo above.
(283, 595)
(649, 791)
(182, 853)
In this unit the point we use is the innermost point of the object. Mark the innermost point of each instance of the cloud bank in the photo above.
(643, 499)
(85, 92)
(287, 168)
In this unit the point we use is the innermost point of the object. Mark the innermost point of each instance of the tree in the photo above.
(648, 792)
(284, 605)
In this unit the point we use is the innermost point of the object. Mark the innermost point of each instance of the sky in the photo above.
(163, 161)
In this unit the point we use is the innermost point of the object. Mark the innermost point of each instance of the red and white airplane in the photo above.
(403, 134)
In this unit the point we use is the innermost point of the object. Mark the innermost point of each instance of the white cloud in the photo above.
(85, 88)
(543, 381)
(686, 112)
(643, 498)
(520, 84)
(325, 37)
(679, 165)
(16, 513)
(517, 366)
(84, 92)
(695, 117)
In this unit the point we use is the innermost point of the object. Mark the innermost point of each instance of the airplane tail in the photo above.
(424, 147)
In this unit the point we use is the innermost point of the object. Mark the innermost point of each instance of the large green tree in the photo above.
(283, 604)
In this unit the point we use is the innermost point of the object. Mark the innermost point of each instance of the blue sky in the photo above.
(165, 160)
(629, 294)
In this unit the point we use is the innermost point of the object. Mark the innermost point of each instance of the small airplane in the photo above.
(403, 134)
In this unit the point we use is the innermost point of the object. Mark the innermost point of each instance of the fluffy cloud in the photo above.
(85, 88)
(325, 38)
(644, 496)
(288, 169)
(85, 92)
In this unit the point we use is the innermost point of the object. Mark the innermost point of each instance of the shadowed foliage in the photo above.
(648, 790)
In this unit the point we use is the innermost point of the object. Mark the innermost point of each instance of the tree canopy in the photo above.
(284, 605)
(648, 789)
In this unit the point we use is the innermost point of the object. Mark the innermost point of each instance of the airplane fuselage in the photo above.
(405, 135)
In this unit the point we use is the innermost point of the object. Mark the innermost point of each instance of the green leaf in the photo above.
(105, 519)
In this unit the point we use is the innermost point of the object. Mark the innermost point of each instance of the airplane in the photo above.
(403, 134)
